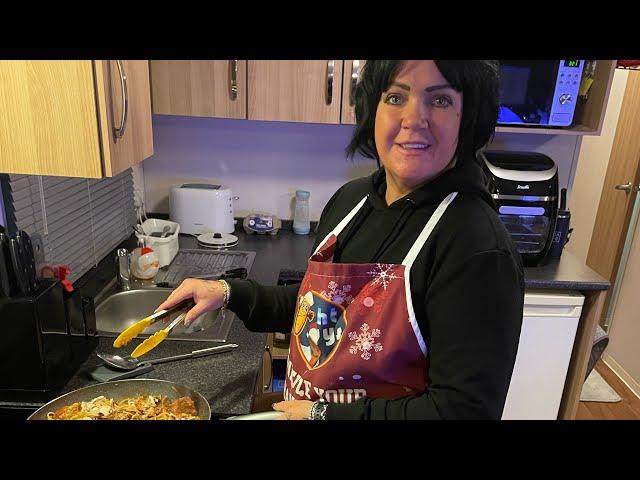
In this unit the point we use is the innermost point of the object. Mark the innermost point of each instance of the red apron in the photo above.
(355, 333)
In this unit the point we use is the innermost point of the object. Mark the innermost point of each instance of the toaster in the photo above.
(202, 208)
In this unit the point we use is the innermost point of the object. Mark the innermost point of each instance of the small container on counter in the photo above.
(301, 223)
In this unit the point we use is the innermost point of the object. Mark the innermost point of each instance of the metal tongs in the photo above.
(129, 333)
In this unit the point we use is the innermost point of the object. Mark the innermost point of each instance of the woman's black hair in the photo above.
(478, 80)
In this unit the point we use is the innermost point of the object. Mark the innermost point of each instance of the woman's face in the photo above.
(417, 125)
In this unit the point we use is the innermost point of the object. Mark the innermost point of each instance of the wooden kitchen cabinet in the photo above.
(75, 118)
(295, 90)
(199, 88)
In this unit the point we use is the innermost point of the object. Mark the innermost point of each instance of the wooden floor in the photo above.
(627, 409)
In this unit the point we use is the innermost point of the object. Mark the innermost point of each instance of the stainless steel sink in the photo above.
(121, 310)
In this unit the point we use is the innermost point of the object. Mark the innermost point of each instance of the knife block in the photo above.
(81, 322)
(36, 357)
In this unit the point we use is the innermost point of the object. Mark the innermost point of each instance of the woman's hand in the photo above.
(294, 409)
(207, 295)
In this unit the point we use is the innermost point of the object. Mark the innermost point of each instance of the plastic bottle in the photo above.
(301, 224)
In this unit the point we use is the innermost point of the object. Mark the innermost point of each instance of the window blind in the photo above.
(79, 220)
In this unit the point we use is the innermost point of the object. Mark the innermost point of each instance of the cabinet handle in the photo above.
(355, 74)
(268, 385)
(119, 132)
(330, 65)
(233, 79)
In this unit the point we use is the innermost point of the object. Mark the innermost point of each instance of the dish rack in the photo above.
(198, 263)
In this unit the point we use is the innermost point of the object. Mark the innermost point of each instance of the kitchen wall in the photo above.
(265, 162)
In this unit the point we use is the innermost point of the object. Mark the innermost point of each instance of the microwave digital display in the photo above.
(539, 92)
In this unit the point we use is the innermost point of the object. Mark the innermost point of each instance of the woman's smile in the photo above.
(412, 149)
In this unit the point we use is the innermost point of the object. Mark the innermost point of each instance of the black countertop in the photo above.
(567, 273)
(227, 380)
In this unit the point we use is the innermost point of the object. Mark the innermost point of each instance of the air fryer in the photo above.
(524, 186)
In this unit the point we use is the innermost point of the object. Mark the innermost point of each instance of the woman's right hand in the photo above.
(207, 295)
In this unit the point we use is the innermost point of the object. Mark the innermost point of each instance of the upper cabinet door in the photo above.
(48, 119)
(201, 88)
(352, 70)
(125, 105)
(295, 90)
(74, 118)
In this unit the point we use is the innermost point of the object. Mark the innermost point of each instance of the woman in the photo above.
(411, 305)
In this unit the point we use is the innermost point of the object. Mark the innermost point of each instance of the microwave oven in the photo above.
(539, 92)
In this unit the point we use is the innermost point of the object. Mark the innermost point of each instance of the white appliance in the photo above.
(202, 208)
(549, 325)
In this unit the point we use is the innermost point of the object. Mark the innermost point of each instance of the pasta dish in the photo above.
(142, 407)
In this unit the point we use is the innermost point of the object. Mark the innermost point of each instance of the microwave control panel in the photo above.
(566, 92)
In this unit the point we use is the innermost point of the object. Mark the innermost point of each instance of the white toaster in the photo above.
(202, 208)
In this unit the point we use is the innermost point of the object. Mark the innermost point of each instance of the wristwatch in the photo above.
(318, 410)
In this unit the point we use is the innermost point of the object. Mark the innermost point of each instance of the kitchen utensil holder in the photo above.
(35, 349)
(166, 248)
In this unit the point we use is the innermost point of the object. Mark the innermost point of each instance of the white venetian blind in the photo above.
(79, 220)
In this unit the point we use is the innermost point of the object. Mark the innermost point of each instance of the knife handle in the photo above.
(18, 267)
(29, 260)
(5, 267)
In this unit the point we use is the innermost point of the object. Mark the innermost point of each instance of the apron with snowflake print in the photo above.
(355, 333)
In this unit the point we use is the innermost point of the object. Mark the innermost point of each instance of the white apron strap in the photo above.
(336, 231)
(410, 258)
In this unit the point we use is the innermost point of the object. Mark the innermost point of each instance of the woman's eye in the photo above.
(442, 102)
(393, 99)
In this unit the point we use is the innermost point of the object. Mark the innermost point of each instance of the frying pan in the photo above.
(122, 389)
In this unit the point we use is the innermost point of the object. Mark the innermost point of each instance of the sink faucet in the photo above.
(124, 273)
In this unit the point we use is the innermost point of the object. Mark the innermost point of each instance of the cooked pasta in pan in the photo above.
(142, 407)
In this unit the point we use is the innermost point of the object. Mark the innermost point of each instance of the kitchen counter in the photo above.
(567, 273)
(228, 380)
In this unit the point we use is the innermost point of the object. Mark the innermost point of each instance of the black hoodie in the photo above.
(467, 288)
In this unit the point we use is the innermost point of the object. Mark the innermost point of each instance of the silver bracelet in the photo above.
(318, 410)
(227, 294)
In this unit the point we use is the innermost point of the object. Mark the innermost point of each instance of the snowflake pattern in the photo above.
(338, 295)
(365, 341)
(384, 274)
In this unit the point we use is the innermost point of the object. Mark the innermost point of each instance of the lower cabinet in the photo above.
(274, 360)
(547, 337)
